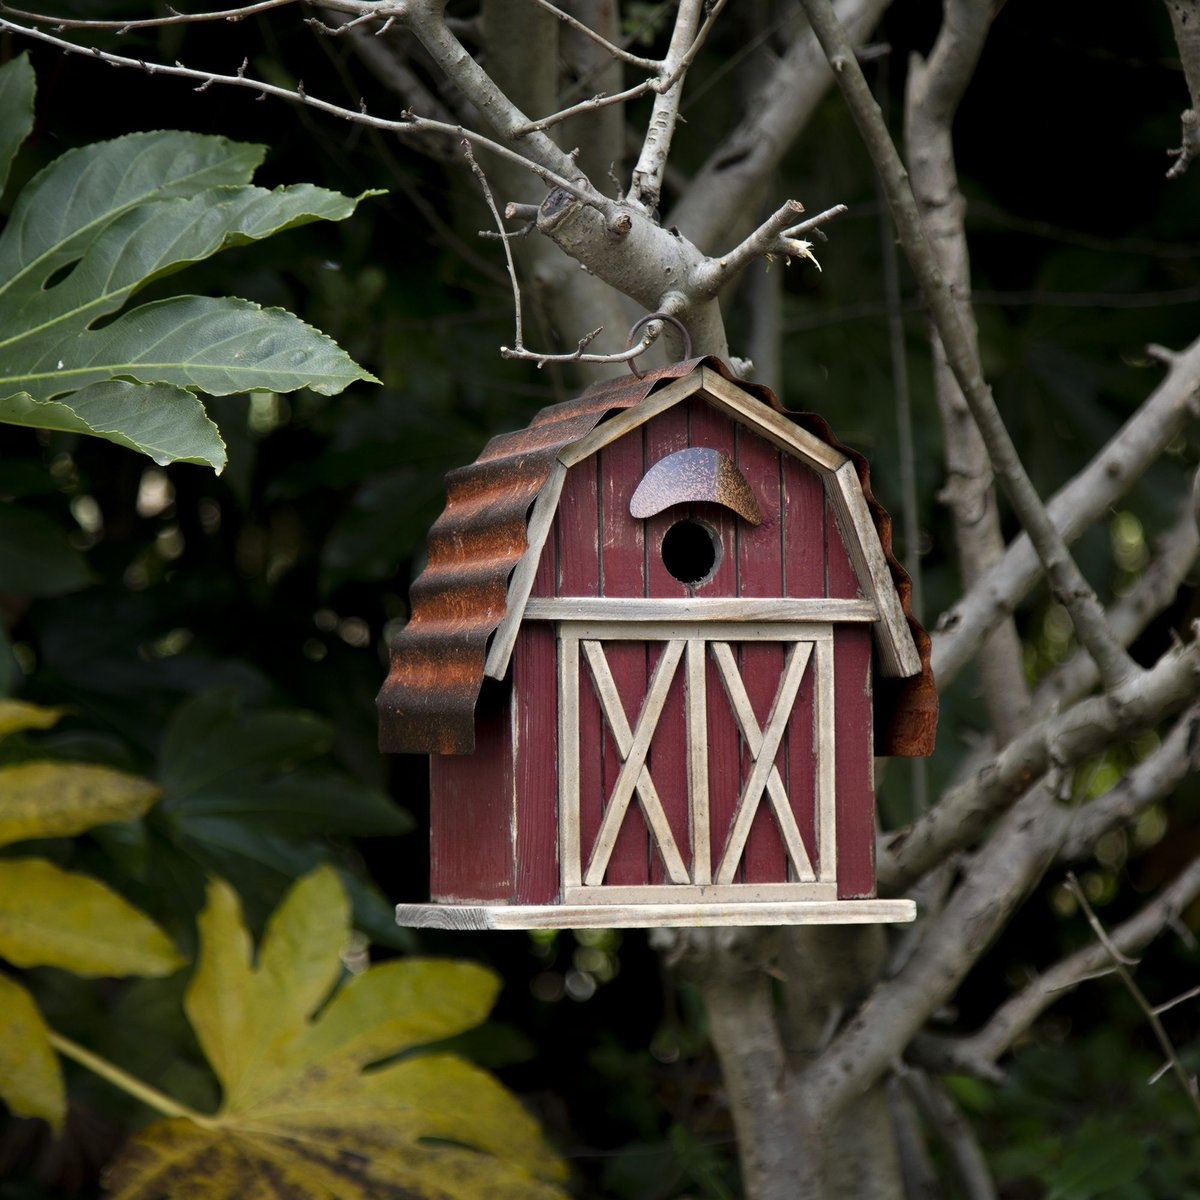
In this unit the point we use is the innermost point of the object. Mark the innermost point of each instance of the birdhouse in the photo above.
(658, 640)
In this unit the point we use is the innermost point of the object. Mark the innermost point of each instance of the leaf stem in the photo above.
(127, 1083)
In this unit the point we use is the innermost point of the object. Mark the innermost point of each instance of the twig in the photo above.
(490, 200)
(954, 1132)
(410, 123)
(1066, 580)
(578, 355)
(647, 64)
(1185, 24)
(1186, 1081)
(175, 18)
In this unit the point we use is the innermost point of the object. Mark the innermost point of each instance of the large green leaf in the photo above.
(31, 1081)
(100, 223)
(16, 715)
(159, 419)
(16, 110)
(42, 799)
(219, 346)
(54, 918)
(68, 203)
(300, 1118)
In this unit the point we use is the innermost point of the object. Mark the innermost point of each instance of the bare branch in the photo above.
(1150, 780)
(966, 809)
(647, 64)
(174, 18)
(1186, 1081)
(1068, 583)
(686, 40)
(1073, 509)
(734, 177)
(954, 1131)
(406, 126)
(1185, 22)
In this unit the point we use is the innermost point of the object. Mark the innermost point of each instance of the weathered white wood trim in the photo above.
(897, 651)
(723, 631)
(775, 427)
(541, 521)
(825, 732)
(696, 707)
(609, 608)
(719, 893)
(630, 418)
(763, 763)
(568, 757)
(633, 747)
(754, 738)
(643, 916)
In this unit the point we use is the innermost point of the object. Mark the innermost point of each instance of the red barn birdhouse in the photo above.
(658, 640)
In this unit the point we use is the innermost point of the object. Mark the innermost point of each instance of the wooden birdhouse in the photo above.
(658, 640)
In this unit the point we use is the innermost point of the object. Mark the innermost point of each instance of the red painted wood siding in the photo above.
(471, 813)
(535, 692)
(855, 794)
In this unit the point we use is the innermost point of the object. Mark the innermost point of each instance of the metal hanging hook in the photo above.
(657, 316)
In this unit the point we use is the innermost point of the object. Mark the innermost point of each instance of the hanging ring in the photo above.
(657, 316)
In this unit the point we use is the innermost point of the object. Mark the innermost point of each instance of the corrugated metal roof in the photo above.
(427, 704)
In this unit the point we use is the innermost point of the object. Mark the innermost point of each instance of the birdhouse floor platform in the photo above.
(631, 916)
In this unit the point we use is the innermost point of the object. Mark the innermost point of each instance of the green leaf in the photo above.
(1097, 1164)
(54, 918)
(35, 557)
(16, 110)
(16, 715)
(166, 422)
(73, 199)
(31, 1081)
(41, 799)
(219, 346)
(298, 1109)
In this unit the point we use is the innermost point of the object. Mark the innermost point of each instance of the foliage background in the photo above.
(188, 619)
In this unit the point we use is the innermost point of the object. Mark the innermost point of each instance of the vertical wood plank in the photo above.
(570, 862)
(855, 796)
(577, 533)
(630, 860)
(471, 798)
(803, 529)
(664, 434)
(712, 429)
(802, 766)
(695, 700)
(760, 573)
(535, 724)
(668, 763)
(827, 742)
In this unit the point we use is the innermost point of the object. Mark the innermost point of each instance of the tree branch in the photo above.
(966, 809)
(935, 87)
(1068, 583)
(1185, 23)
(581, 27)
(954, 1131)
(1109, 475)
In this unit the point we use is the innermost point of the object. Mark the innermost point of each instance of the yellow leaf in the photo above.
(300, 1117)
(16, 715)
(31, 1081)
(55, 799)
(54, 918)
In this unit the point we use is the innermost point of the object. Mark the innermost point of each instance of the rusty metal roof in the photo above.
(427, 704)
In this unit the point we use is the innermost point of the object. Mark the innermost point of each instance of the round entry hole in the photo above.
(690, 551)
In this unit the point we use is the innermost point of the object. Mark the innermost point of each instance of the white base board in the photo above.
(640, 916)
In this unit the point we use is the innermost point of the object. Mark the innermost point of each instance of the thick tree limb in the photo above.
(965, 811)
(1068, 583)
(1185, 22)
(1110, 474)
(935, 87)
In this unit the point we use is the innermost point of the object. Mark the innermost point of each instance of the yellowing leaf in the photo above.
(31, 1081)
(16, 715)
(301, 1118)
(54, 918)
(56, 799)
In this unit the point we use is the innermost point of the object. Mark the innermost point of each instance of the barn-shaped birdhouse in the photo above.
(658, 640)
